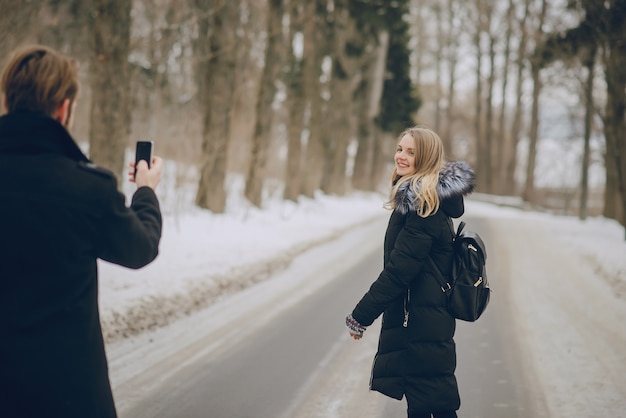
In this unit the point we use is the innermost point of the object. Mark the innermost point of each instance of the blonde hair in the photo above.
(38, 78)
(429, 160)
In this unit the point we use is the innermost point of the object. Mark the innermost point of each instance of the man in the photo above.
(59, 213)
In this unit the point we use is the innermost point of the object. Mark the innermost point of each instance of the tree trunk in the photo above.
(420, 37)
(510, 148)
(17, 23)
(364, 159)
(313, 54)
(218, 57)
(109, 119)
(60, 25)
(614, 126)
(345, 77)
(498, 167)
(384, 148)
(489, 148)
(340, 119)
(529, 187)
(589, 112)
(612, 201)
(452, 58)
(480, 166)
(274, 59)
(438, 65)
(249, 69)
(296, 105)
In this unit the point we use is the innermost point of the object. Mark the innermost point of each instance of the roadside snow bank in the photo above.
(204, 256)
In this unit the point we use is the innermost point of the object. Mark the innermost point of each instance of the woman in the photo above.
(416, 353)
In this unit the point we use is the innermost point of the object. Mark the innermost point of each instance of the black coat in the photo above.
(417, 358)
(58, 214)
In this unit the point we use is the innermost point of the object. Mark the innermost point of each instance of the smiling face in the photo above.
(405, 156)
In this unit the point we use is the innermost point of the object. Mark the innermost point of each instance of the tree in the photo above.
(578, 43)
(373, 22)
(314, 48)
(602, 27)
(274, 58)
(537, 63)
(296, 103)
(439, 17)
(16, 22)
(109, 121)
(368, 108)
(216, 52)
(349, 55)
(589, 63)
(481, 167)
(491, 80)
(510, 147)
(63, 25)
(501, 144)
(609, 19)
(399, 101)
(452, 46)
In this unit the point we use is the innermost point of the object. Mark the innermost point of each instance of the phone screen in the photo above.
(143, 152)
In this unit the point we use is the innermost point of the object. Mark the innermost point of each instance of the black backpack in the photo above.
(469, 293)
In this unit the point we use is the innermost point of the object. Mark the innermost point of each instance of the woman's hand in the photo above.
(354, 328)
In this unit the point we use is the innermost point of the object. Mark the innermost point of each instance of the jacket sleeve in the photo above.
(130, 236)
(410, 252)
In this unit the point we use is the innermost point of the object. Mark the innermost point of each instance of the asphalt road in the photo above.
(494, 378)
(301, 363)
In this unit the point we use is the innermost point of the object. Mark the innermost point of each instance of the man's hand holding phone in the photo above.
(146, 169)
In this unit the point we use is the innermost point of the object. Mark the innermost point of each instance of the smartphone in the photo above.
(143, 152)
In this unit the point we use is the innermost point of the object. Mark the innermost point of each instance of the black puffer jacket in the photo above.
(417, 358)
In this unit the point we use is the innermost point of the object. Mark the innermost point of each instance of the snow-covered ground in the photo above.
(205, 257)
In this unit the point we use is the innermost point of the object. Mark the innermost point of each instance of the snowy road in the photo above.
(274, 368)
(279, 349)
(569, 316)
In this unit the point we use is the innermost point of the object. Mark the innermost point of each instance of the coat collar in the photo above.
(25, 132)
(456, 179)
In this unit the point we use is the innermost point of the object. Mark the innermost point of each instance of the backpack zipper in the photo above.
(407, 300)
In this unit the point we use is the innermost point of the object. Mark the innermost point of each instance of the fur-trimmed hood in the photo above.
(455, 179)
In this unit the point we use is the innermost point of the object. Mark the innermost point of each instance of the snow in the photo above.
(205, 257)
(567, 293)
(598, 241)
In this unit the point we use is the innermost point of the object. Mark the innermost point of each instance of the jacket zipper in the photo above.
(407, 301)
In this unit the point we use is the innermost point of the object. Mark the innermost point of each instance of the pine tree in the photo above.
(399, 101)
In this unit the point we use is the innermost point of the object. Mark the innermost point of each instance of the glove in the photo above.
(355, 329)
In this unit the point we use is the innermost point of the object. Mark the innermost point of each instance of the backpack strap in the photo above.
(459, 230)
(443, 283)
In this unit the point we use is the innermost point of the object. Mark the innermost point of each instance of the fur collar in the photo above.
(455, 179)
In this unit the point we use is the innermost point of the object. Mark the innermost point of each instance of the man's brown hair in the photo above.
(38, 78)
